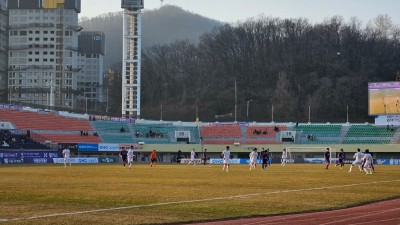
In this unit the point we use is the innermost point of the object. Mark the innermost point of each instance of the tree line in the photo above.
(283, 69)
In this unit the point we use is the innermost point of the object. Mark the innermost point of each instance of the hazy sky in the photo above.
(239, 10)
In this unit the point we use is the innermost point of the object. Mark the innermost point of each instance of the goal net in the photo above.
(310, 154)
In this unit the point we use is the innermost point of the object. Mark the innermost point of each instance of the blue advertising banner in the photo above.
(19, 157)
(88, 147)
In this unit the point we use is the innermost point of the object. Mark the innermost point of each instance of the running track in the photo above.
(382, 213)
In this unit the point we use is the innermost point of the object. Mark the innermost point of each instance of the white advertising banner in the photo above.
(221, 161)
(6, 126)
(77, 160)
(387, 120)
(104, 147)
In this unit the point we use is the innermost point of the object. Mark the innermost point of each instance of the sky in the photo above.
(232, 11)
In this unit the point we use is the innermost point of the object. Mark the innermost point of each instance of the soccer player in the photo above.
(124, 155)
(284, 157)
(265, 159)
(130, 156)
(66, 154)
(368, 160)
(342, 157)
(327, 157)
(153, 158)
(253, 159)
(357, 156)
(205, 156)
(226, 155)
(192, 157)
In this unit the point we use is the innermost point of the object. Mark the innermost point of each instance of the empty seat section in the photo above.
(101, 126)
(319, 130)
(370, 131)
(117, 138)
(65, 138)
(223, 131)
(26, 120)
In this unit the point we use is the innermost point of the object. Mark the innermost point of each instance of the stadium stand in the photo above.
(66, 138)
(26, 120)
(45, 126)
(370, 131)
(102, 126)
(223, 131)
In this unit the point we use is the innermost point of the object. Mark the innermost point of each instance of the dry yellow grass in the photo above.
(181, 193)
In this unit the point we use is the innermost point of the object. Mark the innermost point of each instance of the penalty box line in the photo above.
(192, 201)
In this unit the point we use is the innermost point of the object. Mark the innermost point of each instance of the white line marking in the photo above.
(189, 201)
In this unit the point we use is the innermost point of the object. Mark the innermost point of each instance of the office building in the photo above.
(90, 79)
(43, 52)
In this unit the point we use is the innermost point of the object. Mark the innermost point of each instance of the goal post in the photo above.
(310, 152)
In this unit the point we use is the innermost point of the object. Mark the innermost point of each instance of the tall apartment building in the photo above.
(43, 52)
(91, 76)
(3, 49)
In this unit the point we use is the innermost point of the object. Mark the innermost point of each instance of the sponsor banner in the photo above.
(128, 146)
(14, 107)
(13, 157)
(117, 119)
(387, 161)
(186, 161)
(88, 147)
(78, 160)
(104, 147)
(11, 161)
(108, 159)
(221, 161)
(387, 120)
(320, 160)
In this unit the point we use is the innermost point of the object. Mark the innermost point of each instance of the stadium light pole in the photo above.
(248, 104)
(235, 101)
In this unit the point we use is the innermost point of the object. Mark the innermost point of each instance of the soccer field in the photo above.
(110, 194)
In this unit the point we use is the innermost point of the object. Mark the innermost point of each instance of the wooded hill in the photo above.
(288, 64)
(161, 26)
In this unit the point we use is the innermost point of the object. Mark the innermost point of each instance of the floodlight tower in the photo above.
(131, 59)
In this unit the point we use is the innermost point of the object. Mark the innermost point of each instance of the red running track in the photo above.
(381, 213)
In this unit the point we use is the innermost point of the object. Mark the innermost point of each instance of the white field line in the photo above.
(190, 201)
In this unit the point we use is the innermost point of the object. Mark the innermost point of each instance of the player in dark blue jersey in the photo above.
(265, 158)
(327, 157)
(124, 155)
(341, 158)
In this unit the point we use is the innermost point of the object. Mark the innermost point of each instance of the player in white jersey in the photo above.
(226, 155)
(368, 160)
(192, 157)
(66, 154)
(130, 156)
(253, 159)
(284, 157)
(357, 156)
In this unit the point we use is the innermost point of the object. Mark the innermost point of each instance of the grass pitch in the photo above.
(110, 194)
